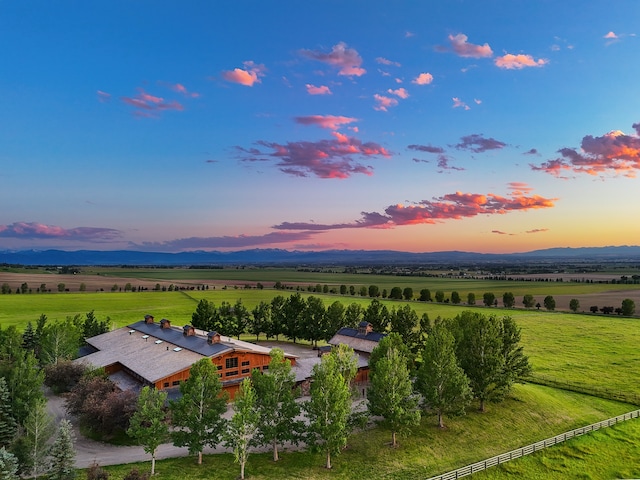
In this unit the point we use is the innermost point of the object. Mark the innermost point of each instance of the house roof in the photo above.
(360, 342)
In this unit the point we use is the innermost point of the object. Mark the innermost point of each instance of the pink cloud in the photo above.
(147, 105)
(383, 103)
(462, 48)
(384, 61)
(400, 92)
(519, 188)
(423, 79)
(321, 90)
(333, 158)
(248, 77)
(478, 144)
(612, 153)
(611, 36)
(457, 103)
(454, 206)
(183, 90)
(331, 122)
(33, 230)
(518, 62)
(346, 60)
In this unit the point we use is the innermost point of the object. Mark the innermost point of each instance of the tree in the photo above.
(516, 363)
(260, 319)
(8, 426)
(243, 424)
(61, 287)
(293, 310)
(343, 289)
(593, 309)
(488, 299)
(363, 291)
(25, 382)
(390, 394)
(574, 304)
(353, 315)
(404, 321)
(83, 287)
(393, 340)
(63, 454)
(59, 341)
(29, 338)
(148, 425)
(240, 319)
(206, 316)
(277, 316)
(528, 301)
(38, 429)
(455, 298)
(471, 298)
(61, 377)
(8, 465)
(6, 288)
(334, 319)
(275, 404)
(197, 415)
(91, 326)
(549, 302)
(374, 291)
(407, 293)
(425, 295)
(377, 315)
(479, 349)
(314, 326)
(395, 293)
(439, 296)
(328, 408)
(441, 381)
(628, 307)
(508, 299)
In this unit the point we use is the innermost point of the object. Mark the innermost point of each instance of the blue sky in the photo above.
(497, 126)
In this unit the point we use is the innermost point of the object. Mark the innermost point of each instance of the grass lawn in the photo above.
(533, 413)
(605, 454)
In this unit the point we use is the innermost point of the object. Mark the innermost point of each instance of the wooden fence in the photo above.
(534, 447)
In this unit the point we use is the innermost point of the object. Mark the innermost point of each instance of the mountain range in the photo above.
(326, 257)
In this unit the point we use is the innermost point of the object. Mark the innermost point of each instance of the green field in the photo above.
(534, 412)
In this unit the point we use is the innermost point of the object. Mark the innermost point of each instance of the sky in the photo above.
(483, 126)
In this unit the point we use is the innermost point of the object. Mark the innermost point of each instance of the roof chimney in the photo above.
(164, 323)
(364, 328)
(148, 319)
(213, 337)
(188, 331)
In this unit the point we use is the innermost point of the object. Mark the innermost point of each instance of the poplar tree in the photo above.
(329, 408)
(390, 393)
(243, 424)
(276, 404)
(442, 383)
(197, 415)
(148, 425)
(38, 429)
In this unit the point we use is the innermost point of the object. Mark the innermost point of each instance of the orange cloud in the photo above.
(453, 206)
(383, 103)
(518, 62)
(183, 90)
(346, 60)
(148, 105)
(612, 153)
(331, 122)
(462, 48)
(321, 90)
(423, 79)
(248, 77)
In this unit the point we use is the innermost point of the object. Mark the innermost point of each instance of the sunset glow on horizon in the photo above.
(410, 126)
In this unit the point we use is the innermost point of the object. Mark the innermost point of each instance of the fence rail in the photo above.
(534, 447)
(627, 397)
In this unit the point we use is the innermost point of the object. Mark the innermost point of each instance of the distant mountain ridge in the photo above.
(295, 257)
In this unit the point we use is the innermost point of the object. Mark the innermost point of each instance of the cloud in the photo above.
(611, 36)
(178, 87)
(500, 232)
(477, 101)
(612, 153)
(33, 230)
(424, 78)
(333, 158)
(457, 103)
(443, 163)
(454, 206)
(331, 122)
(478, 144)
(321, 90)
(147, 105)
(462, 48)
(103, 97)
(400, 92)
(426, 148)
(346, 60)
(384, 103)
(518, 62)
(236, 241)
(248, 77)
(519, 188)
(384, 61)
(537, 230)
(532, 151)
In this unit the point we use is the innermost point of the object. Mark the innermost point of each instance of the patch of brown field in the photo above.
(92, 282)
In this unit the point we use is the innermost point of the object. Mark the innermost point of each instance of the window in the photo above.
(266, 367)
(244, 364)
(176, 383)
(231, 373)
(165, 384)
(245, 370)
(219, 367)
(231, 362)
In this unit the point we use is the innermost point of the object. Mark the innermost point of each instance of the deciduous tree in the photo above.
(508, 299)
(148, 426)
(528, 301)
(628, 307)
(243, 424)
(574, 304)
(549, 302)
(38, 429)
(488, 299)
